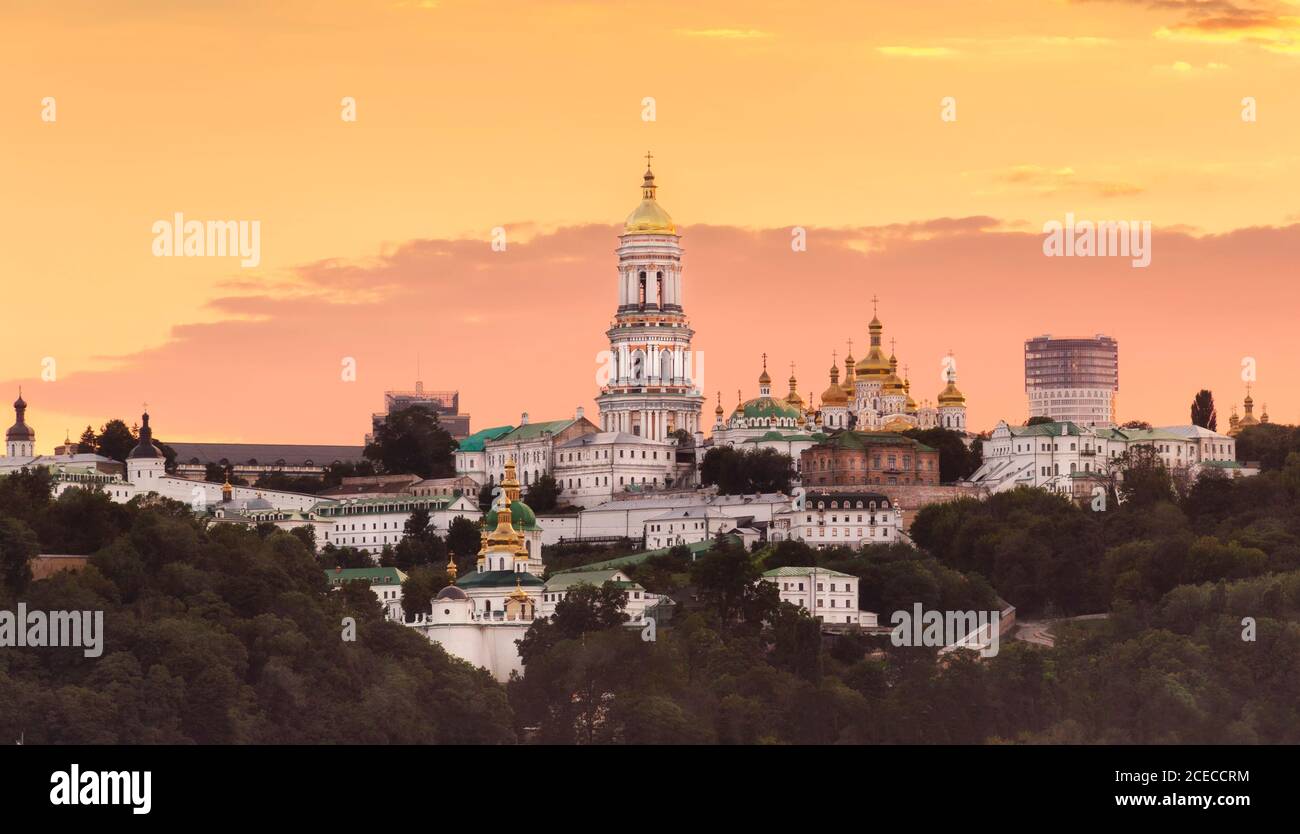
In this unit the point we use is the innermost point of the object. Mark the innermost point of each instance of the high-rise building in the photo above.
(1072, 379)
(651, 392)
(446, 404)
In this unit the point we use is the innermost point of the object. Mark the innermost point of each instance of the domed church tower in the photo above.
(146, 462)
(650, 392)
(20, 440)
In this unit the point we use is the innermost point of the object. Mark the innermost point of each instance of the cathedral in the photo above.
(1236, 424)
(871, 397)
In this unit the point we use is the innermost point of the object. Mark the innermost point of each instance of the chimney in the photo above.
(523, 419)
(579, 414)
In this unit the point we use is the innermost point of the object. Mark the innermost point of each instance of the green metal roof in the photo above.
(376, 576)
(805, 571)
(522, 517)
(532, 431)
(564, 581)
(498, 579)
(853, 439)
(1052, 429)
(766, 407)
(696, 548)
(474, 443)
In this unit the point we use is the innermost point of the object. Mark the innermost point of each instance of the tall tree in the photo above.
(1203, 413)
(86, 445)
(115, 440)
(18, 544)
(543, 494)
(463, 539)
(411, 440)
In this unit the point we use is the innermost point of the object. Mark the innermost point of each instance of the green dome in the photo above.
(763, 408)
(521, 516)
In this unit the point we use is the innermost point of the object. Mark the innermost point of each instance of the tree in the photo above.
(1203, 413)
(86, 445)
(1268, 444)
(486, 495)
(543, 494)
(955, 460)
(583, 609)
(1035, 421)
(739, 473)
(115, 440)
(18, 545)
(463, 539)
(730, 583)
(1145, 479)
(1137, 424)
(411, 440)
(421, 586)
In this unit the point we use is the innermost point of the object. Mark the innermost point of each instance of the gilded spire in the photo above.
(451, 568)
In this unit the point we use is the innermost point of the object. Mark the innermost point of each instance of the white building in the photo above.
(626, 517)
(385, 583)
(592, 468)
(531, 447)
(651, 390)
(831, 519)
(1062, 455)
(685, 526)
(826, 594)
(471, 453)
(370, 524)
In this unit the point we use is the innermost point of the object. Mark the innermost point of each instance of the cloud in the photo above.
(1045, 181)
(727, 34)
(521, 330)
(917, 51)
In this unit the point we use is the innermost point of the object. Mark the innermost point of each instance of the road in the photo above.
(1039, 632)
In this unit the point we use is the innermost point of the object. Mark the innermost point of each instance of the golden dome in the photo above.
(951, 396)
(834, 395)
(519, 593)
(649, 217)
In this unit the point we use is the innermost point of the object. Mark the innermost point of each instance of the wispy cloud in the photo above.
(727, 34)
(1046, 181)
(917, 51)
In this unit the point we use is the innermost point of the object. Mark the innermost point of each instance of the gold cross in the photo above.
(648, 157)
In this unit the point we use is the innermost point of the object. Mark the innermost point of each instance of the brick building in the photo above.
(877, 458)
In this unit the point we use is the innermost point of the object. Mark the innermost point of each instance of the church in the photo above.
(872, 397)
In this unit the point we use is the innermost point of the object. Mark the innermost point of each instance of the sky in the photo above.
(376, 233)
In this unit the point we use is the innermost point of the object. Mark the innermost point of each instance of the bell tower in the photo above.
(651, 391)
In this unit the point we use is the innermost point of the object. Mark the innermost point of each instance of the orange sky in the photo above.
(527, 115)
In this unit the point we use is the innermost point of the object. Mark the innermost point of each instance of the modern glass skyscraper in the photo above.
(1072, 379)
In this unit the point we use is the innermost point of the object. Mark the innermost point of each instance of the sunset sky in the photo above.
(375, 234)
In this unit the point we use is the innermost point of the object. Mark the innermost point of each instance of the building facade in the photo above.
(1072, 380)
(829, 595)
(1060, 456)
(858, 458)
(840, 519)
